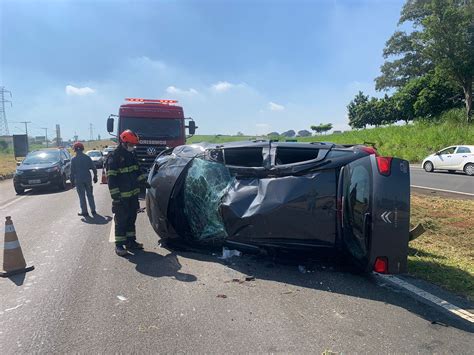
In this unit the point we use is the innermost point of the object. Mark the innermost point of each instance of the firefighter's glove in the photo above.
(95, 179)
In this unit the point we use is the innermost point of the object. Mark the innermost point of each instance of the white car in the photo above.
(97, 157)
(454, 158)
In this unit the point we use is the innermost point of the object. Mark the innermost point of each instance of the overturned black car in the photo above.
(322, 196)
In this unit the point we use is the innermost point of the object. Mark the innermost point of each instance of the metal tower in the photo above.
(3, 116)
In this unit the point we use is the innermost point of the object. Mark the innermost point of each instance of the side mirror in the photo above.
(191, 127)
(67, 160)
(18, 163)
(110, 125)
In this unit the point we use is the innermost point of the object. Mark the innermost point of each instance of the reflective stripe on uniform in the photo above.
(142, 177)
(112, 172)
(128, 169)
(130, 234)
(114, 191)
(120, 238)
(130, 193)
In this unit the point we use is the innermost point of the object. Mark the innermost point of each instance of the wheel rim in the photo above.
(470, 169)
(428, 166)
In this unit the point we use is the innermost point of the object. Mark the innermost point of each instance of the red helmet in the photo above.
(128, 136)
(78, 146)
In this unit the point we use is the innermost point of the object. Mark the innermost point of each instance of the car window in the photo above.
(462, 150)
(357, 192)
(63, 155)
(449, 150)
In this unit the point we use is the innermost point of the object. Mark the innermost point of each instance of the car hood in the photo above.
(96, 158)
(28, 167)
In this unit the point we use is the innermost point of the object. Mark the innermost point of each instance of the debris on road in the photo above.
(241, 281)
(229, 253)
(121, 298)
(221, 296)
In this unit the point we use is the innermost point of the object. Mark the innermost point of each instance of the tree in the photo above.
(323, 127)
(273, 134)
(449, 38)
(240, 134)
(356, 111)
(289, 133)
(304, 133)
(442, 41)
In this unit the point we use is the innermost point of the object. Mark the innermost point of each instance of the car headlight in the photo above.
(53, 169)
(19, 172)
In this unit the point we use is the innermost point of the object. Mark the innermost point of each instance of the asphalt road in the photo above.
(442, 180)
(83, 298)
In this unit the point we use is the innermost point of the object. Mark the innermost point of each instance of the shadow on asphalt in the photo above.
(156, 265)
(97, 219)
(325, 274)
(18, 279)
(47, 190)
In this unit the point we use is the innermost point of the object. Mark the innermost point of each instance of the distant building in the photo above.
(7, 139)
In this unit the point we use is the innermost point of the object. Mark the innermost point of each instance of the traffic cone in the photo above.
(104, 177)
(13, 260)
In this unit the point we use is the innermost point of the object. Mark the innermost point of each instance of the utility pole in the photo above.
(46, 136)
(26, 126)
(3, 115)
(92, 131)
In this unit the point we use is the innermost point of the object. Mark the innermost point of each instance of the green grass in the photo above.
(412, 142)
(444, 254)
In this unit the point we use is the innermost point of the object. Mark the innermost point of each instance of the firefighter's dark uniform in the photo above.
(124, 180)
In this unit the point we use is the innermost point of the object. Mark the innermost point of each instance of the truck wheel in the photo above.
(428, 166)
(469, 169)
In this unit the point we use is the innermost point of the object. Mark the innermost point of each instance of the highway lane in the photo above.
(440, 180)
(83, 298)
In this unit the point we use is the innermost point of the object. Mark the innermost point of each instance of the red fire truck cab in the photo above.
(159, 124)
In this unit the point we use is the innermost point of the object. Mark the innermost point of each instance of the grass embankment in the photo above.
(444, 254)
(412, 142)
(8, 163)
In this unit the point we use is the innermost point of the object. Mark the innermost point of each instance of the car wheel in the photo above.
(63, 183)
(19, 190)
(469, 169)
(451, 171)
(428, 166)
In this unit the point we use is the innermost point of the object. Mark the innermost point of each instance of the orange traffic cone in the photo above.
(13, 260)
(104, 177)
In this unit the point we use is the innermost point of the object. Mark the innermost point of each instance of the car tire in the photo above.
(469, 169)
(428, 166)
(19, 190)
(451, 171)
(63, 184)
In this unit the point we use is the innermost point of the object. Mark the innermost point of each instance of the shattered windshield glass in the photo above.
(206, 183)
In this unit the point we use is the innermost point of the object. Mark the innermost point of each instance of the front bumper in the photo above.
(40, 180)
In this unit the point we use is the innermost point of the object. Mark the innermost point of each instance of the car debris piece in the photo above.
(228, 253)
(221, 296)
(417, 231)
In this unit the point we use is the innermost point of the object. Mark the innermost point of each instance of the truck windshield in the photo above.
(153, 127)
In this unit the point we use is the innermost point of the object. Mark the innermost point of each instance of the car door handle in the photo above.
(449, 156)
(464, 156)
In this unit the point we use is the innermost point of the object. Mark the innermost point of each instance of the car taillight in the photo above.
(370, 150)
(381, 265)
(384, 165)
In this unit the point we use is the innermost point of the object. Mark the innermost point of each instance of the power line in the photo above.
(3, 115)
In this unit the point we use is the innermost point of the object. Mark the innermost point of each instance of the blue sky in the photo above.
(250, 66)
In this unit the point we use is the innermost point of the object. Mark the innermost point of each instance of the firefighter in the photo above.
(124, 180)
(81, 165)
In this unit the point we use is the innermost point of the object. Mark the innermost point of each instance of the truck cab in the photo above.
(160, 124)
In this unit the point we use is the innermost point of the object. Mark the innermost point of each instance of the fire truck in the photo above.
(160, 124)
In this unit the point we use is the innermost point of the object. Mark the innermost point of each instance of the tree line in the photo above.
(428, 70)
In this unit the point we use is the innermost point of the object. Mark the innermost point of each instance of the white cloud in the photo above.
(72, 90)
(177, 91)
(222, 86)
(275, 107)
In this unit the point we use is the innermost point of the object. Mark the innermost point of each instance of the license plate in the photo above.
(33, 182)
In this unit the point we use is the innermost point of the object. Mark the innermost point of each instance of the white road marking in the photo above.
(12, 202)
(464, 314)
(442, 190)
(112, 232)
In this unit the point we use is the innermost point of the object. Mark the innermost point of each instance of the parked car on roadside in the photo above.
(43, 168)
(312, 196)
(97, 157)
(107, 150)
(452, 159)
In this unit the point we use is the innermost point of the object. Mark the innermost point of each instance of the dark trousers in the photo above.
(83, 189)
(125, 217)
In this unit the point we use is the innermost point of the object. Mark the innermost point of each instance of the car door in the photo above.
(459, 157)
(445, 158)
(66, 161)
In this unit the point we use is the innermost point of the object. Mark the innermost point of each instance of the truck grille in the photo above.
(146, 155)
